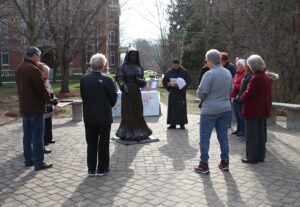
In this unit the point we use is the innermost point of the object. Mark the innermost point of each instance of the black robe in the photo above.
(177, 112)
(133, 125)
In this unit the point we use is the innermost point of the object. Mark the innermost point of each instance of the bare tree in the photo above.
(29, 22)
(68, 23)
(145, 50)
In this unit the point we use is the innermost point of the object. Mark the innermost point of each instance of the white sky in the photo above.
(139, 19)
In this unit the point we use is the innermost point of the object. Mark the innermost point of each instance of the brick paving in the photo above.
(156, 174)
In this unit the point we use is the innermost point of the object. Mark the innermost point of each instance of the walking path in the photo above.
(156, 174)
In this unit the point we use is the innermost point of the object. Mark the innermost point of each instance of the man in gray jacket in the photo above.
(214, 91)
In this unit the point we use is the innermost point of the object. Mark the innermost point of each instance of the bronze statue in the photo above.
(130, 78)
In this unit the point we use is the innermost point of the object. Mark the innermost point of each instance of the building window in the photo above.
(112, 58)
(4, 57)
(112, 20)
(112, 37)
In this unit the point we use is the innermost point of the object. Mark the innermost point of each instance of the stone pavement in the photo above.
(156, 174)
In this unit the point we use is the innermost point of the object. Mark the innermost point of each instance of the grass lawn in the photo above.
(8, 95)
(8, 90)
(192, 105)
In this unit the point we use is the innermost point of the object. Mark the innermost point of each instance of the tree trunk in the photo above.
(83, 58)
(1, 68)
(64, 78)
(297, 49)
(54, 78)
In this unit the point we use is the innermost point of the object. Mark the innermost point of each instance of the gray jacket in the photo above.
(214, 91)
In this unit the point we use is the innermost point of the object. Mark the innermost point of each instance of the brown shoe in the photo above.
(224, 165)
(202, 168)
(44, 166)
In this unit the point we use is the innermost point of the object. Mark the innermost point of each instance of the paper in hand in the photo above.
(181, 83)
(173, 81)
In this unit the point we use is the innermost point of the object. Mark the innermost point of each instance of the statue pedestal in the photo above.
(151, 104)
(129, 142)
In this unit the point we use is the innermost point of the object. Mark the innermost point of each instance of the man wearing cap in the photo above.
(177, 113)
(32, 98)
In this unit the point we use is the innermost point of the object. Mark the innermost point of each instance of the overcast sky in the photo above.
(139, 19)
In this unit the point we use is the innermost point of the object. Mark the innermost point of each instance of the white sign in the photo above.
(151, 103)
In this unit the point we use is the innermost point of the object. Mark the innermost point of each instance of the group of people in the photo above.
(247, 91)
(221, 87)
(36, 100)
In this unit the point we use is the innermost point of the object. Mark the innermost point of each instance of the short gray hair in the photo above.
(214, 56)
(256, 63)
(33, 51)
(241, 62)
(98, 60)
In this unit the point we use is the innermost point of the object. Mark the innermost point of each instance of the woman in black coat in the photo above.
(99, 95)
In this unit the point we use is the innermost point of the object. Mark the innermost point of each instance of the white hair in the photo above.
(97, 61)
(214, 56)
(241, 62)
(256, 63)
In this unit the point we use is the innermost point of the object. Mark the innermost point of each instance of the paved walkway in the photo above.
(156, 174)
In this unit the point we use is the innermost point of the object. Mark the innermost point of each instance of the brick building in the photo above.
(106, 40)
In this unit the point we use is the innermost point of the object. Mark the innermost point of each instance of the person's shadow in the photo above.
(212, 198)
(233, 193)
(102, 190)
(178, 148)
(11, 178)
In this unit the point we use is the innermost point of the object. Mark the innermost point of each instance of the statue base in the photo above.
(132, 142)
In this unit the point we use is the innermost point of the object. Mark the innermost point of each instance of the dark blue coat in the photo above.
(99, 95)
(231, 68)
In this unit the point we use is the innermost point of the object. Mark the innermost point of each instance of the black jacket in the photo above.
(231, 68)
(99, 95)
(244, 84)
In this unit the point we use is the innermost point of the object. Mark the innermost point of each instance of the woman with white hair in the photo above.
(237, 106)
(257, 108)
(99, 95)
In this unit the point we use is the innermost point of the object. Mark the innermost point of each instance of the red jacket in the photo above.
(257, 97)
(237, 80)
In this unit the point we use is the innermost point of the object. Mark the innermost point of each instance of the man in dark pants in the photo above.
(177, 112)
(32, 98)
(99, 95)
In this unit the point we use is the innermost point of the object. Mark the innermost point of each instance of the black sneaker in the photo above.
(182, 127)
(202, 168)
(44, 166)
(91, 173)
(224, 165)
(28, 164)
(102, 172)
(172, 127)
(240, 134)
(235, 132)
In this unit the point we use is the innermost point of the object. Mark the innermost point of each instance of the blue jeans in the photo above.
(239, 118)
(207, 123)
(33, 143)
